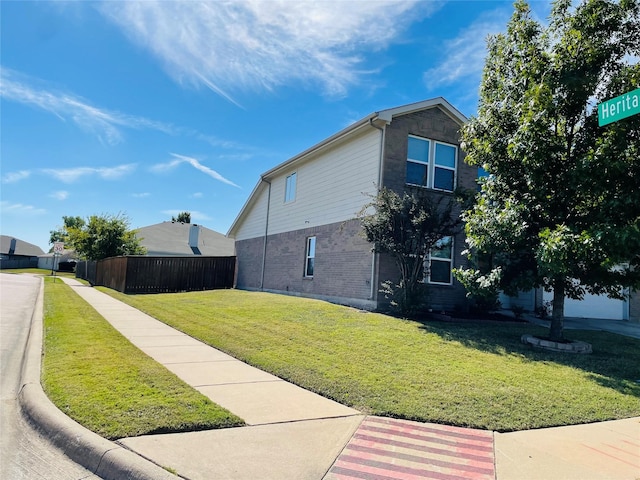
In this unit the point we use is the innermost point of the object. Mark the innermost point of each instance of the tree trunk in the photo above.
(557, 317)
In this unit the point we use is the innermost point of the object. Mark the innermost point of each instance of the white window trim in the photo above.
(308, 256)
(431, 165)
(429, 258)
(290, 187)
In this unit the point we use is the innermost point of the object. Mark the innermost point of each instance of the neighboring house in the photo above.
(180, 239)
(65, 262)
(15, 253)
(591, 306)
(298, 233)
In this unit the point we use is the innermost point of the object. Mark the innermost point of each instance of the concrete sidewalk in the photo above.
(295, 434)
(292, 432)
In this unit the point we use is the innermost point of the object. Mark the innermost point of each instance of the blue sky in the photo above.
(152, 108)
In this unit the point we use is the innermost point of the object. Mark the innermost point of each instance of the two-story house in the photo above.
(298, 233)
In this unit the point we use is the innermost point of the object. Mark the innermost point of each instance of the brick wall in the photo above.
(342, 264)
(249, 263)
(435, 125)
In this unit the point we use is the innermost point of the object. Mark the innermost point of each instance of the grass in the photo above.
(468, 374)
(37, 271)
(98, 378)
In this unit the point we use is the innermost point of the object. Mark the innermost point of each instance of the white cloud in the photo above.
(141, 195)
(101, 122)
(464, 56)
(256, 44)
(19, 209)
(70, 175)
(60, 195)
(180, 159)
(196, 195)
(12, 177)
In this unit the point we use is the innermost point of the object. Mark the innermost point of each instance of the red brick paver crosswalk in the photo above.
(388, 449)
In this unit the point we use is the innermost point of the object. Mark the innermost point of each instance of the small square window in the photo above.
(290, 188)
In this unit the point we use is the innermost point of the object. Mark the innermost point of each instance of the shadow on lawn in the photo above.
(614, 363)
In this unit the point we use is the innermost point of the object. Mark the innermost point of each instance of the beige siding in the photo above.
(330, 187)
(253, 224)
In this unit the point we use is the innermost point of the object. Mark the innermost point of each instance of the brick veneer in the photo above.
(342, 264)
(343, 269)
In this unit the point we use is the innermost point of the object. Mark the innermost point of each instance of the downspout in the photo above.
(379, 186)
(266, 231)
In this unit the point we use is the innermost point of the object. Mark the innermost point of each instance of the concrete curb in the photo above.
(103, 457)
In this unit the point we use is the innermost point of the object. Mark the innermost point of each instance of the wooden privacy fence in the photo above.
(161, 274)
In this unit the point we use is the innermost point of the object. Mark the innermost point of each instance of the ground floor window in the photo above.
(310, 257)
(440, 262)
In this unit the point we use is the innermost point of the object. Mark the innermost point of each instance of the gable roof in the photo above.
(377, 119)
(14, 246)
(173, 238)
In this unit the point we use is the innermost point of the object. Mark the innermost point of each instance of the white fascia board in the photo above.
(319, 146)
(440, 102)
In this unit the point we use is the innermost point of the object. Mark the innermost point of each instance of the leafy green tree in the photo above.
(407, 227)
(105, 236)
(62, 233)
(184, 217)
(561, 207)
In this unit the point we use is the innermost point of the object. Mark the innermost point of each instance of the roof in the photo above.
(20, 247)
(172, 238)
(378, 119)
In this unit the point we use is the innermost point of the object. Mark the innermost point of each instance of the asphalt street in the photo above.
(24, 454)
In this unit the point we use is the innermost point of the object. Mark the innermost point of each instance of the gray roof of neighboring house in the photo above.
(173, 238)
(19, 247)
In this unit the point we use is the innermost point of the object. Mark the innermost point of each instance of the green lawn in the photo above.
(468, 374)
(98, 378)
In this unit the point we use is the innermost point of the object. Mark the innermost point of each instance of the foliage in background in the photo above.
(104, 236)
(483, 289)
(561, 207)
(184, 217)
(62, 233)
(407, 227)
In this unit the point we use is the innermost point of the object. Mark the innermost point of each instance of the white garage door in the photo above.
(593, 306)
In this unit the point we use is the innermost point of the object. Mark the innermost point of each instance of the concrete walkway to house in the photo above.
(294, 434)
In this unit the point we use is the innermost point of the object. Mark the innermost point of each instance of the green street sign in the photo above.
(619, 107)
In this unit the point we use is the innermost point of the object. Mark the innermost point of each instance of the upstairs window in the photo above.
(431, 164)
(482, 177)
(310, 257)
(440, 262)
(290, 188)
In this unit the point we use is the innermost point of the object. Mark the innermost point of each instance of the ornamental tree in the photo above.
(104, 236)
(62, 233)
(408, 227)
(561, 206)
